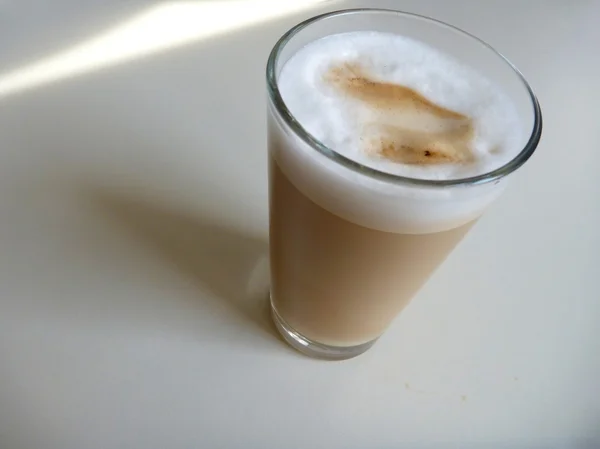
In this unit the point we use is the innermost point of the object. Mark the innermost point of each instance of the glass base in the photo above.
(313, 349)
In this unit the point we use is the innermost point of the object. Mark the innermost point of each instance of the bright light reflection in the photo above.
(162, 27)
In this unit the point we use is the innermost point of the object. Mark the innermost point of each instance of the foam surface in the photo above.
(398, 105)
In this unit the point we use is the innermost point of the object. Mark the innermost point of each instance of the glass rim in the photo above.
(338, 158)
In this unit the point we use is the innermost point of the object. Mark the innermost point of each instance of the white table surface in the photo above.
(133, 227)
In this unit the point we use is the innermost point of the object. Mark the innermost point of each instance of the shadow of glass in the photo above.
(223, 261)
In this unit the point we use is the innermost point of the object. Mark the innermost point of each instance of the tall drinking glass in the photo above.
(347, 255)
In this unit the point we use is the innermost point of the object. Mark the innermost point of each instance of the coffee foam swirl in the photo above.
(406, 127)
(397, 105)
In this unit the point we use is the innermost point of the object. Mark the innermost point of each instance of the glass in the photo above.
(347, 256)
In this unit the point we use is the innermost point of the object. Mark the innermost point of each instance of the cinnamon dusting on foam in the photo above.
(404, 126)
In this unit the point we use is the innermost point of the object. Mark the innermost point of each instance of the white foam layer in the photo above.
(338, 121)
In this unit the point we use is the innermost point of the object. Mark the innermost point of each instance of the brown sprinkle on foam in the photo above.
(448, 141)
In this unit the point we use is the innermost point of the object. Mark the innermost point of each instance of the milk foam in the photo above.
(338, 121)
(342, 122)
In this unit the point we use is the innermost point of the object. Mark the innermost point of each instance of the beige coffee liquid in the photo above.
(339, 283)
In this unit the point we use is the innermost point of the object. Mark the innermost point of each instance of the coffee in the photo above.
(339, 283)
(349, 250)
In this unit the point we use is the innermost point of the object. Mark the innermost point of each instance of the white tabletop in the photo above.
(133, 229)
